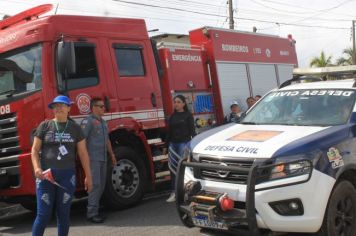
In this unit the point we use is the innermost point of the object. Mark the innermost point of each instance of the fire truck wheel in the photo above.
(125, 182)
(340, 215)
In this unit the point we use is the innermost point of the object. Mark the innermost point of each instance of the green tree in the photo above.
(348, 59)
(321, 61)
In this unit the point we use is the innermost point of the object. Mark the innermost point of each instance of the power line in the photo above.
(181, 21)
(169, 8)
(185, 4)
(290, 5)
(170, 13)
(244, 10)
(323, 11)
(276, 9)
(291, 24)
(238, 18)
(301, 7)
(200, 3)
(215, 15)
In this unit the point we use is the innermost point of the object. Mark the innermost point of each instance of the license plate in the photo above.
(202, 221)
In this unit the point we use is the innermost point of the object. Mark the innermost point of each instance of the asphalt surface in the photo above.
(152, 217)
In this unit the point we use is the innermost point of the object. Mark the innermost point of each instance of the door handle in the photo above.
(153, 100)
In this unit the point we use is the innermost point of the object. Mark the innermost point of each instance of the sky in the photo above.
(316, 25)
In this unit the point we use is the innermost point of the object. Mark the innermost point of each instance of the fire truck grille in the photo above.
(226, 176)
(9, 139)
(9, 151)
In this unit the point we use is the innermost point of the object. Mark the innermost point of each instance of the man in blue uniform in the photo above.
(95, 130)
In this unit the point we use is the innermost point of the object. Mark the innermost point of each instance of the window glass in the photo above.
(129, 62)
(86, 68)
(315, 107)
(21, 70)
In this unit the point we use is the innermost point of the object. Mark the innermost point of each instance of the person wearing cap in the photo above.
(58, 140)
(96, 132)
(235, 113)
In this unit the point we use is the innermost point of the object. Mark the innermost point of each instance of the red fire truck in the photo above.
(114, 58)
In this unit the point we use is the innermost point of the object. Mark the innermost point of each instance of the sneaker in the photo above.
(172, 198)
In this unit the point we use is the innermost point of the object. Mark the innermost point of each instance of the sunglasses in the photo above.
(100, 106)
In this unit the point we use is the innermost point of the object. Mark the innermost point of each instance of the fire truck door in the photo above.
(137, 93)
(88, 81)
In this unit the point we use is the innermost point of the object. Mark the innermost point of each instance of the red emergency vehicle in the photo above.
(114, 58)
(244, 64)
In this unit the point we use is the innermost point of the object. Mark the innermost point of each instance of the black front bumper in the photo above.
(237, 220)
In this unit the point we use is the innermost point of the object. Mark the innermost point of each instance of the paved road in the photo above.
(153, 217)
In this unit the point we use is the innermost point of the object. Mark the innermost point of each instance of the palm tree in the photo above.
(350, 58)
(321, 61)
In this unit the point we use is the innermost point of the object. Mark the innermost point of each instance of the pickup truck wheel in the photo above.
(185, 219)
(340, 216)
(125, 181)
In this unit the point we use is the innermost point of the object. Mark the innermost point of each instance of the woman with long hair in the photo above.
(181, 129)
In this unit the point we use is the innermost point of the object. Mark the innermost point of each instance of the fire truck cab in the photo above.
(82, 57)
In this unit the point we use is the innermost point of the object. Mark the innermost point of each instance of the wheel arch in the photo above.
(347, 173)
(136, 141)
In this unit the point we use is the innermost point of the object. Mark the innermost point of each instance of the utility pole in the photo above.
(353, 43)
(231, 15)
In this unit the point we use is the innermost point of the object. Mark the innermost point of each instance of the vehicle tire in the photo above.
(185, 219)
(125, 182)
(340, 215)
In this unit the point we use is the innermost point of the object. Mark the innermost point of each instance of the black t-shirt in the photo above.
(68, 135)
(180, 127)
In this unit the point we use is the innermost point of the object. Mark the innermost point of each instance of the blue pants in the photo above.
(50, 196)
(176, 151)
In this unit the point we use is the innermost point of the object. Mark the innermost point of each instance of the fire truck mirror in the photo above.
(107, 103)
(66, 58)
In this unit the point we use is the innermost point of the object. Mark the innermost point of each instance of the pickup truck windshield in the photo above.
(315, 107)
(20, 70)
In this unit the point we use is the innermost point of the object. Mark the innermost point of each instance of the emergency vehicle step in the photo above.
(165, 179)
(154, 141)
(162, 174)
(160, 157)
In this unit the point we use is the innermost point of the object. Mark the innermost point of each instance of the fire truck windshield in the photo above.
(20, 70)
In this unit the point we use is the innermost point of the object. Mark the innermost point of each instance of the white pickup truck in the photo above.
(288, 166)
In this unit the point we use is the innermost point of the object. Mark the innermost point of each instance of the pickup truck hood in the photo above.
(255, 141)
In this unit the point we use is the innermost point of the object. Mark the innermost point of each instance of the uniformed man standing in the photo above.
(95, 130)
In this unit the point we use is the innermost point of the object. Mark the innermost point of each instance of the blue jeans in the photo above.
(176, 151)
(50, 196)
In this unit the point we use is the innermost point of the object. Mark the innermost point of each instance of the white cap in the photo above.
(234, 103)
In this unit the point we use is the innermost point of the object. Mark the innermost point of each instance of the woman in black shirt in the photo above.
(58, 141)
(180, 131)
